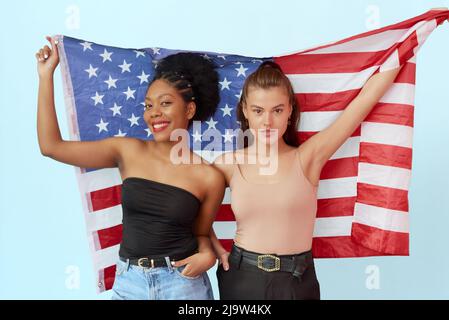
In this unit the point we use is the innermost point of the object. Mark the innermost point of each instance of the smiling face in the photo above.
(166, 110)
(266, 111)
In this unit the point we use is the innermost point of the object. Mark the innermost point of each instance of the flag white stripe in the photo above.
(225, 229)
(103, 219)
(385, 176)
(106, 257)
(401, 93)
(386, 133)
(337, 188)
(382, 218)
(350, 148)
(425, 30)
(391, 63)
(314, 121)
(333, 227)
(381, 41)
(330, 82)
(99, 179)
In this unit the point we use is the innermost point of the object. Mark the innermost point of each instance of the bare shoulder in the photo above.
(129, 147)
(225, 164)
(212, 180)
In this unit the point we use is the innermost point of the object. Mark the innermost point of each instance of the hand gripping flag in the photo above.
(363, 189)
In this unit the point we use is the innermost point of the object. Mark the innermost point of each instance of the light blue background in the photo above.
(42, 231)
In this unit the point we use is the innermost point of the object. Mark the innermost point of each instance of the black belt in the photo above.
(157, 261)
(295, 264)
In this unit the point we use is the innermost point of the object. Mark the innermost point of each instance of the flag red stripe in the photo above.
(339, 101)
(325, 101)
(225, 213)
(405, 50)
(110, 236)
(106, 198)
(227, 244)
(387, 155)
(401, 114)
(340, 168)
(335, 207)
(386, 242)
(340, 247)
(304, 135)
(384, 197)
(430, 15)
(407, 74)
(109, 277)
(347, 62)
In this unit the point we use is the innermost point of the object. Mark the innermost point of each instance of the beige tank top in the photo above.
(277, 217)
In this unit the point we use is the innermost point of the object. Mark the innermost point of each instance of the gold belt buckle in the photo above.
(140, 261)
(277, 262)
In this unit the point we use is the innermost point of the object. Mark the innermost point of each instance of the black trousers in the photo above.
(245, 282)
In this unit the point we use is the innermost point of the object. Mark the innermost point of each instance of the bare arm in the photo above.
(87, 154)
(318, 149)
(209, 207)
(205, 259)
(225, 164)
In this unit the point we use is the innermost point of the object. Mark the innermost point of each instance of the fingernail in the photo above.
(46, 56)
(56, 41)
(172, 263)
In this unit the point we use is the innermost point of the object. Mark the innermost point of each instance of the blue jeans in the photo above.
(163, 283)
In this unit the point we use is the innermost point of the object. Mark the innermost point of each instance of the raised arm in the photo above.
(318, 149)
(87, 154)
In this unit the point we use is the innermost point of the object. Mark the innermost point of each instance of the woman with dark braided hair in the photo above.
(168, 198)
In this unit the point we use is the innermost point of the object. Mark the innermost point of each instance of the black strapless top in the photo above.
(158, 219)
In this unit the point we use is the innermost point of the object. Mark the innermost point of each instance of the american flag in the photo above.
(363, 189)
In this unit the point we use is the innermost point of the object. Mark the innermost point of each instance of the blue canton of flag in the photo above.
(110, 84)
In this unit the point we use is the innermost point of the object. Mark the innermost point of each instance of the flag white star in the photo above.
(133, 120)
(98, 98)
(129, 93)
(205, 56)
(221, 56)
(228, 136)
(211, 123)
(241, 70)
(111, 82)
(102, 126)
(226, 110)
(116, 109)
(225, 84)
(156, 50)
(91, 71)
(143, 77)
(120, 133)
(125, 66)
(106, 55)
(196, 136)
(149, 133)
(139, 53)
(86, 45)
